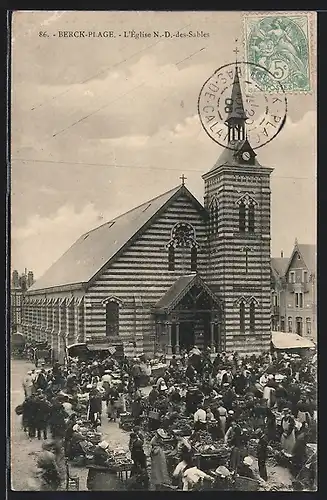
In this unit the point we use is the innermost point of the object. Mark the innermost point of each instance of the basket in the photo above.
(155, 415)
(246, 484)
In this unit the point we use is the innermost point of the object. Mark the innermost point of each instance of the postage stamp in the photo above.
(281, 43)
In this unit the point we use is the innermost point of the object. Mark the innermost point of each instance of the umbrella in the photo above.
(18, 339)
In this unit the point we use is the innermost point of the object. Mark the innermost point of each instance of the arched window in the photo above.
(112, 318)
(214, 217)
(251, 218)
(241, 217)
(171, 258)
(242, 317)
(290, 324)
(252, 316)
(194, 258)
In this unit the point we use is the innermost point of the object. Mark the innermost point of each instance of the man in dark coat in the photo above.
(153, 395)
(262, 454)
(43, 409)
(95, 407)
(41, 381)
(190, 372)
(137, 374)
(57, 420)
(29, 415)
(239, 383)
(137, 410)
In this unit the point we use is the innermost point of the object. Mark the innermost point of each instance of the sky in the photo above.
(100, 125)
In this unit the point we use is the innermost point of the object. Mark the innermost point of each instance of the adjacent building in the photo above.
(171, 273)
(19, 285)
(294, 292)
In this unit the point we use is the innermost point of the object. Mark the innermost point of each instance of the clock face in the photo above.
(246, 156)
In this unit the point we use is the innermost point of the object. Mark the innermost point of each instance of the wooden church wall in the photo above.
(140, 276)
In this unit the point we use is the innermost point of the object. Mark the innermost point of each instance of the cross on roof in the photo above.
(183, 179)
(236, 51)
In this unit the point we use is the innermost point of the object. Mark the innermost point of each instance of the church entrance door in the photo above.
(186, 335)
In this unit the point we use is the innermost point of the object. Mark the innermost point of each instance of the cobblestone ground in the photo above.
(23, 451)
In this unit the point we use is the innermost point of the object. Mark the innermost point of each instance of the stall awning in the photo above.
(283, 340)
(98, 347)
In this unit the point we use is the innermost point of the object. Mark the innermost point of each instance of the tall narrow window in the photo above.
(308, 323)
(299, 326)
(194, 258)
(241, 215)
(252, 317)
(305, 276)
(242, 317)
(282, 324)
(171, 258)
(112, 319)
(289, 324)
(300, 300)
(251, 218)
(214, 217)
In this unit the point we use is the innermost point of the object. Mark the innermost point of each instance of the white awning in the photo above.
(283, 340)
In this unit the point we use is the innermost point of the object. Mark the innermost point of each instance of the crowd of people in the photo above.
(231, 400)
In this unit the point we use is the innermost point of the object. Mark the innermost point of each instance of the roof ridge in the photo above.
(131, 210)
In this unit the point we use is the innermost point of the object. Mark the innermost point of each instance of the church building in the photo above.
(171, 273)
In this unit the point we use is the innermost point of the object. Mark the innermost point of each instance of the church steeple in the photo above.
(236, 116)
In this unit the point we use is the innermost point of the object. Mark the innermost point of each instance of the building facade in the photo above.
(19, 285)
(172, 272)
(294, 292)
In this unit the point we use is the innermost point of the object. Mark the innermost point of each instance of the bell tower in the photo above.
(237, 197)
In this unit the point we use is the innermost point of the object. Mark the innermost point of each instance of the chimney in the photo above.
(281, 253)
(15, 279)
(30, 279)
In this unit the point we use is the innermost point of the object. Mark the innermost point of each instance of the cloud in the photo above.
(42, 240)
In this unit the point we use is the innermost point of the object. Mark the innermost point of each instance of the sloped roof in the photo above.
(237, 108)
(175, 291)
(228, 157)
(309, 254)
(87, 256)
(179, 289)
(283, 340)
(279, 264)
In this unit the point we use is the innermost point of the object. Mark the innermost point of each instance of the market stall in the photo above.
(291, 342)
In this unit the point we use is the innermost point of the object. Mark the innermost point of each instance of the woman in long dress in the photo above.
(288, 438)
(159, 469)
(222, 412)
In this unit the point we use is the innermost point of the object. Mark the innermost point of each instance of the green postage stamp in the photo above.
(281, 43)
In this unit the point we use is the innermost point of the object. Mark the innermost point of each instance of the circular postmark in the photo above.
(223, 93)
